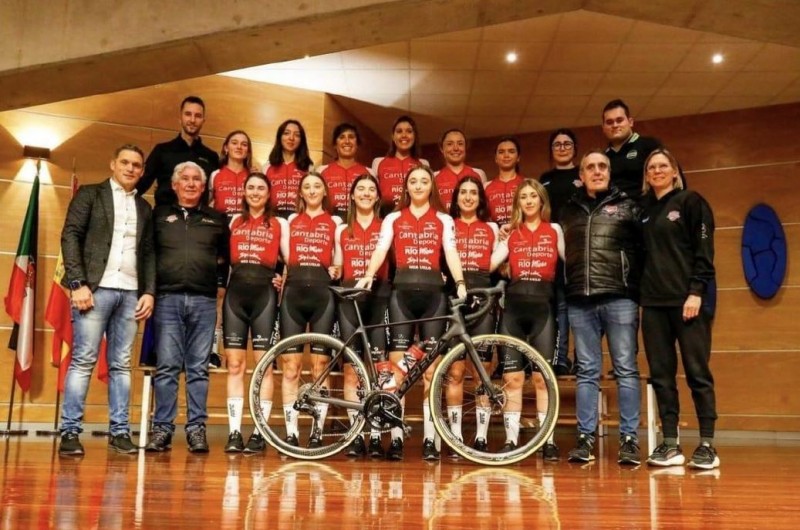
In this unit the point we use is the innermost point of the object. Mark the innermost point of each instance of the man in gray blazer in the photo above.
(110, 270)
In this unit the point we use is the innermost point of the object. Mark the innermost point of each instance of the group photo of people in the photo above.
(609, 243)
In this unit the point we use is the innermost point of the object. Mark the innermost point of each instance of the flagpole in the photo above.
(8, 430)
(56, 415)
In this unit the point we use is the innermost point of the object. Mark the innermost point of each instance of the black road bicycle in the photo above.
(380, 410)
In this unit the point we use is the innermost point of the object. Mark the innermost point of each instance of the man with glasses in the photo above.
(626, 149)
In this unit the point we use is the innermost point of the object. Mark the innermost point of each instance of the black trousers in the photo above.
(661, 328)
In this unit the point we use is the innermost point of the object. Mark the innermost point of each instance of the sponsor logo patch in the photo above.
(674, 215)
(633, 153)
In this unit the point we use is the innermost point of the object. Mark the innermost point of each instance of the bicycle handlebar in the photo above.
(489, 293)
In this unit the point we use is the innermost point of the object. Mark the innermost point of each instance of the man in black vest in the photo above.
(110, 270)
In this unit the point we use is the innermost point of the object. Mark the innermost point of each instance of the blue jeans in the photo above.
(184, 325)
(562, 320)
(112, 314)
(619, 319)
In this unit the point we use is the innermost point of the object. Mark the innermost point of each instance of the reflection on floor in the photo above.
(753, 488)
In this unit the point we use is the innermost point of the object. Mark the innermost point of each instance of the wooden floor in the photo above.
(756, 487)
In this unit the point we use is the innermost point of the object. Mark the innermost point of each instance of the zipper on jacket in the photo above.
(624, 262)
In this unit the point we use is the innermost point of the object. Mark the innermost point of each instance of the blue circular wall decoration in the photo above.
(763, 251)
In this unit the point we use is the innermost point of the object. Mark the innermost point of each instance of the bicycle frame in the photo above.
(457, 329)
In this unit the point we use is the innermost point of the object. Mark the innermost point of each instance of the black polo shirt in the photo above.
(627, 164)
(162, 161)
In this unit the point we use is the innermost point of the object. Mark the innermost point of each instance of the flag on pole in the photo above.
(59, 315)
(22, 291)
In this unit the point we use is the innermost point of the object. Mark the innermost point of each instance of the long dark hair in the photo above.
(482, 213)
(301, 157)
(352, 213)
(248, 160)
(300, 203)
(267, 208)
(434, 200)
(414, 151)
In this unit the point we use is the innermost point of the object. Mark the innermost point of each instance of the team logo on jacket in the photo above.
(610, 209)
(633, 153)
(577, 183)
(171, 218)
(674, 215)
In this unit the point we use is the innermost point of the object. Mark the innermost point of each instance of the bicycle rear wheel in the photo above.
(315, 441)
(532, 433)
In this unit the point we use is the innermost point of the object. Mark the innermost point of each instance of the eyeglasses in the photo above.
(563, 145)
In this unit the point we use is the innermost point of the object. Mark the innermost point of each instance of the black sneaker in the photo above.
(551, 453)
(704, 457)
(255, 444)
(629, 451)
(375, 449)
(480, 444)
(196, 440)
(508, 447)
(70, 445)
(235, 443)
(583, 451)
(122, 443)
(160, 441)
(395, 451)
(214, 361)
(356, 448)
(292, 440)
(666, 455)
(429, 451)
(315, 440)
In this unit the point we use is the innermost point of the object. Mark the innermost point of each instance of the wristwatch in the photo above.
(74, 285)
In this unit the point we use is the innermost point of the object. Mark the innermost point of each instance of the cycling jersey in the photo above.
(418, 243)
(447, 180)
(284, 182)
(227, 189)
(532, 258)
(308, 248)
(475, 243)
(354, 248)
(339, 179)
(501, 197)
(391, 173)
(254, 241)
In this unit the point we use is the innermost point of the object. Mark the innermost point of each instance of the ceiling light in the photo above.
(717, 58)
(511, 57)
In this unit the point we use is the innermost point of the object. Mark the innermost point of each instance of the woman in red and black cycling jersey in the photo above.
(355, 243)
(288, 162)
(250, 304)
(453, 146)
(476, 239)
(500, 190)
(340, 174)
(226, 185)
(420, 235)
(308, 250)
(533, 248)
(403, 156)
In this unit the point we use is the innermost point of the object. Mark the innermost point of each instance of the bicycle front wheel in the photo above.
(483, 433)
(316, 429)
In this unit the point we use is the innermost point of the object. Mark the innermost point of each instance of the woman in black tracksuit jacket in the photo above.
(678, 229)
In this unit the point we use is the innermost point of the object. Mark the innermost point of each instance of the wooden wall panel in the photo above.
(728, 260)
